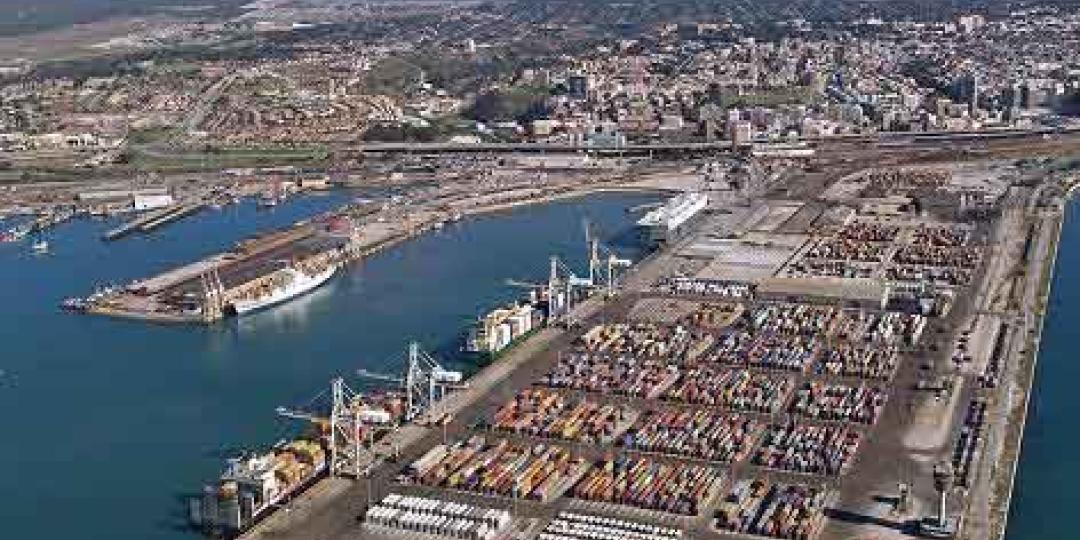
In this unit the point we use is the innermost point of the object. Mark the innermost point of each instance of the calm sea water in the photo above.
(107, 423)
(1046, 493)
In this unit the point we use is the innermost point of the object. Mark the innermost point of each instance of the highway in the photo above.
(891, 140)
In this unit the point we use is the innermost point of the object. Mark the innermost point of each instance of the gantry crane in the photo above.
(603, 269)
(424, 382)
(342, 426)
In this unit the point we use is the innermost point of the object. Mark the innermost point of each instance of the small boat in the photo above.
(40, 246)
(267, 202)
(75, 304)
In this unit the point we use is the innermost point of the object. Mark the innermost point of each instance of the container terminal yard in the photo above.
(851, 362)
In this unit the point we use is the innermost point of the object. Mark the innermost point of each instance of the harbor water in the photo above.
(1046, 493)
(108, 423)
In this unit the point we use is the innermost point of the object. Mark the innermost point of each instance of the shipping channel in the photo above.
(109, 423)
(1046, 495)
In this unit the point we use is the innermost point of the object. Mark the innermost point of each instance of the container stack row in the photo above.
(842, 249)
(839, 402)
(927, 255)
(736, 389)
(792, 511)
(715, 314)
(830, 268)
(541, 412)
(575, 526)
(499, 467)
(967, 445)
(833, 323)
(439, 518)
(848, 360)
(644, 483)
(953, 277)
(939, 236)
(622, 375)
(869, 232)
(647, 340)
(706, 287)
(696, 434)
(768, 351)
(794, 319)
(809, 449)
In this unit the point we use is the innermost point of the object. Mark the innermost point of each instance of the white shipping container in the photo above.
(372, 415)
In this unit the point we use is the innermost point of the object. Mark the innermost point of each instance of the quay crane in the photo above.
(349, 419)
(424, 382)
(343, 426)
(609, 263)
(562, 283)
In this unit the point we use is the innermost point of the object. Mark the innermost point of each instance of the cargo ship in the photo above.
(252, 486)
(502, 327)
(284, 285)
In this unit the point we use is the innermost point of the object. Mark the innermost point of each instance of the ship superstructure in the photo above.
(281, 286)
(252, 485)
(673, 219)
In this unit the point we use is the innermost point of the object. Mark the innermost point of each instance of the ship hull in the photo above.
(301, 285)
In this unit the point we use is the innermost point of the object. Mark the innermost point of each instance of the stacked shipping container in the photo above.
(644, 483)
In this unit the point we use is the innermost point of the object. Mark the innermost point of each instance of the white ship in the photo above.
(291, 283)
(672, 220)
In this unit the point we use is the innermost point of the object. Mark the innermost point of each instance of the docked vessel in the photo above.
(283, 285)
(502, 327)
(14, 234)
(251, 486)
(673, 219)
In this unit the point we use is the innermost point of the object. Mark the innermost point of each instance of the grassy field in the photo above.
(225, 158)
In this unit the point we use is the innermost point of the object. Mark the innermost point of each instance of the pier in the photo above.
(154, 219)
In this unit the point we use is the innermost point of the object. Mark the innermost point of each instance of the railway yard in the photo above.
(801, 378)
